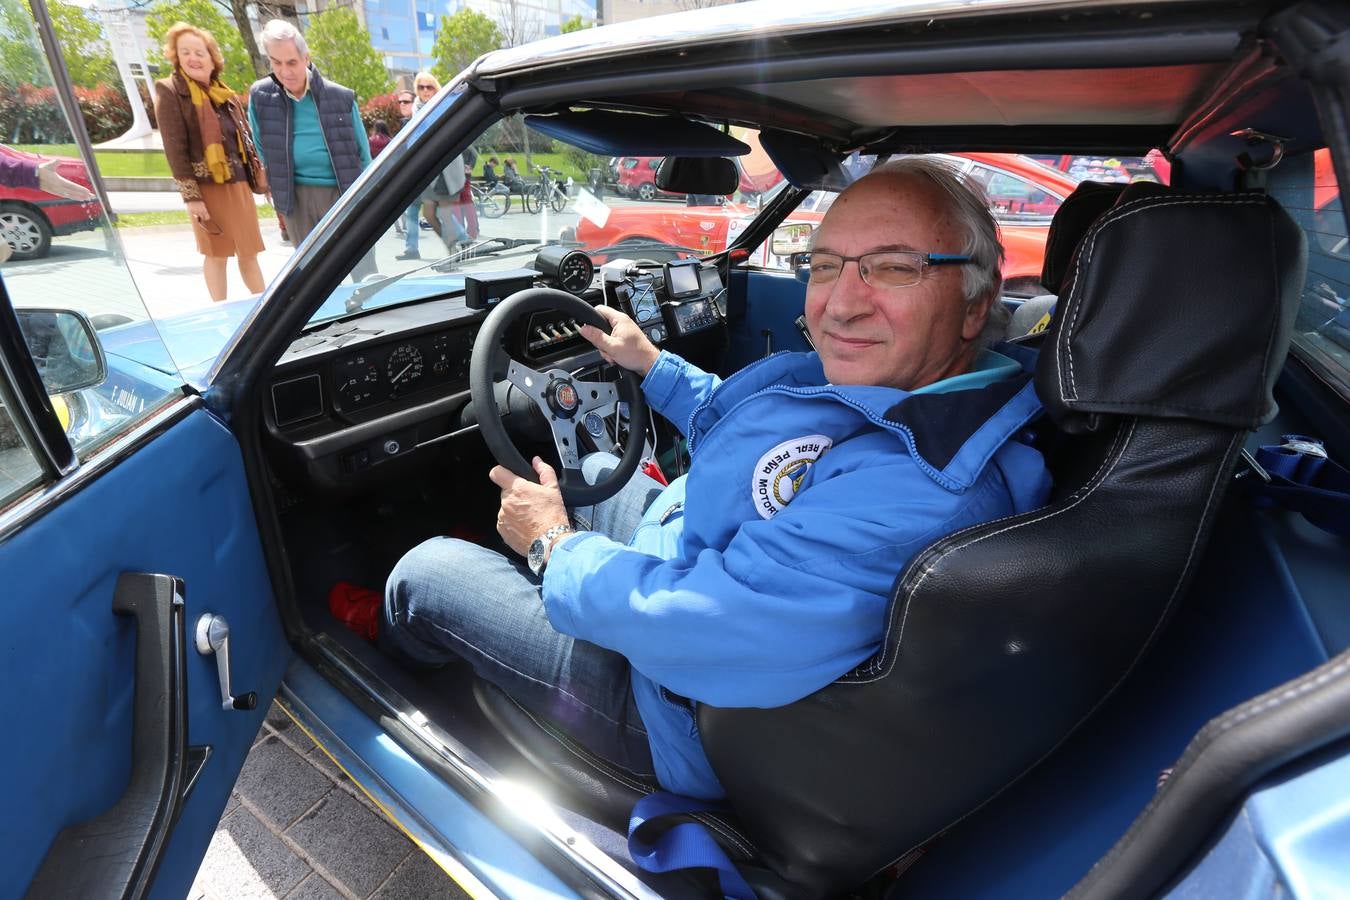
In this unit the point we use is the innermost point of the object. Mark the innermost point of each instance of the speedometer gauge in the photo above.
(404, 367)
(571, 269)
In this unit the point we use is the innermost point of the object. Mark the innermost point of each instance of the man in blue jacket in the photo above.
(764, 574)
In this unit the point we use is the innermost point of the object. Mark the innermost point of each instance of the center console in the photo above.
(674, 300)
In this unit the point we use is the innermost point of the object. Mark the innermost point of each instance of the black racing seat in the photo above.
(1003, 638)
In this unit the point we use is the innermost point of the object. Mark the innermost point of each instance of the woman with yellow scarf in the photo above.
(211, 155)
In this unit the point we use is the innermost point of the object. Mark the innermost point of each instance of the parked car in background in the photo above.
(1023, 195)
(30, 218)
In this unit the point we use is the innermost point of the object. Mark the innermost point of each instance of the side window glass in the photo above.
(63, 252)
(18, 467)
(1307, 189)
(1014, 199)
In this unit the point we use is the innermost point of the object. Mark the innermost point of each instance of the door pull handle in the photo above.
(213, 637)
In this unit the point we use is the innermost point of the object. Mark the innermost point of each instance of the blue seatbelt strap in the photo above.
(1298, 475)
(662, 839)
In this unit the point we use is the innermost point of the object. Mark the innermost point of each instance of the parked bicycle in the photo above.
(491, 202)
(546, 192)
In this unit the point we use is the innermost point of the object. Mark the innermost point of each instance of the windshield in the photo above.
(515, 191)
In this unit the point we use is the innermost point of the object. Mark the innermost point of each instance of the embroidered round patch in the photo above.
(780, 471)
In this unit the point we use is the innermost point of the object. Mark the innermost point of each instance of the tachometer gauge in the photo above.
(572, 269)
(404, 367)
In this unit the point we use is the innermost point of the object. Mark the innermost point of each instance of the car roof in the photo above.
(1009, 75)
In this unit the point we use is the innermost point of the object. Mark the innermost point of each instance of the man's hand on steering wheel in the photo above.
(528, 509)
(626, 344)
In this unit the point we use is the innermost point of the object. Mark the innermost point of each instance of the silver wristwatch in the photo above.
(539, 547)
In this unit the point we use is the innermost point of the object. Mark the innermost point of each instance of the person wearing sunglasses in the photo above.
(309, 132)
(764, 573)
(406, 225)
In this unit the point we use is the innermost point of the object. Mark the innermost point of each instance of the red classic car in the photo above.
(29, 217)
(1022, 192)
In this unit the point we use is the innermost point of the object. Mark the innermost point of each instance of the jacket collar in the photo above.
(951, 434)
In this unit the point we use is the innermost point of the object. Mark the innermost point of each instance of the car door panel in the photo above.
(176, 504)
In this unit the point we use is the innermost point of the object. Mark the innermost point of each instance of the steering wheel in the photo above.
(567, 403)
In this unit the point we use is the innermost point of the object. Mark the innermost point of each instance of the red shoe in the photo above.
(356, 607)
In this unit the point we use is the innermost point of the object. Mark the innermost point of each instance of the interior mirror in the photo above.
(64, 347)
(791, 240)
(709, 176)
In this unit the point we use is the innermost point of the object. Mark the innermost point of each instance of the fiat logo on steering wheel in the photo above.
(565, 398)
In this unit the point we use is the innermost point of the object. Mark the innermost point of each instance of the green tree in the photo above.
(342, 52)
(21, 60)
(576, 23)
(462, 38)
(88, 56)
(164, 14)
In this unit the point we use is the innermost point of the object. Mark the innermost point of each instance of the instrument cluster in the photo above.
(391, 371)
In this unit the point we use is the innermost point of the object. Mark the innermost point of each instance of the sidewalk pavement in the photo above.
(296, 827)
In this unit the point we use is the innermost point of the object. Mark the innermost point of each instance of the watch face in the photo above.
(535, 558)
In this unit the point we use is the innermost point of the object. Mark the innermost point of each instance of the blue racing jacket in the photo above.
(765, 573)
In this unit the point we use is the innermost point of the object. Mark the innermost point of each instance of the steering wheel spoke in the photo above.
(569, 406)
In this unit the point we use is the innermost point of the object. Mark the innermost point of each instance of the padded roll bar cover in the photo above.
(698, 175)
(1072, 220)
(1159, 317)
(1000, 641)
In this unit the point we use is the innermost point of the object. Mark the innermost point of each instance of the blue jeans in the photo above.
(410, 218)
(449, 599)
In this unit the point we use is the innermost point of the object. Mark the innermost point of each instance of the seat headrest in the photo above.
(1078, 211)
(1176, 306)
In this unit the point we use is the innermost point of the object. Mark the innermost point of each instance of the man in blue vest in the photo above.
(308, 132)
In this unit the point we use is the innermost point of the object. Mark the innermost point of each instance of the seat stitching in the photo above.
(1120, 445)
(1220, 477)
(1117, 215)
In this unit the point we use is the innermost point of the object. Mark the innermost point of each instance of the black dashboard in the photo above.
(352, 395)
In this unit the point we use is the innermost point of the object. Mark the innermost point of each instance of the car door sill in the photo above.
(528, 819)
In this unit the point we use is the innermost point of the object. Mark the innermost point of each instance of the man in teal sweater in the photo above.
(309, 134)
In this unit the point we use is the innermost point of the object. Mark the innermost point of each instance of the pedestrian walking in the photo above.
(310, 134)
(406, 224)
(212, 156)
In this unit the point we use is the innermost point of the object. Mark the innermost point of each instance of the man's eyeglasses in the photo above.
(883, 269)
(405, 102)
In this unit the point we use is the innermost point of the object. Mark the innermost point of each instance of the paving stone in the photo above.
(418, 877)
(281, 725)
(278, 783)
(231, 804)
(315, 887)
(349, 842)
(331, 769)
(245, 860)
